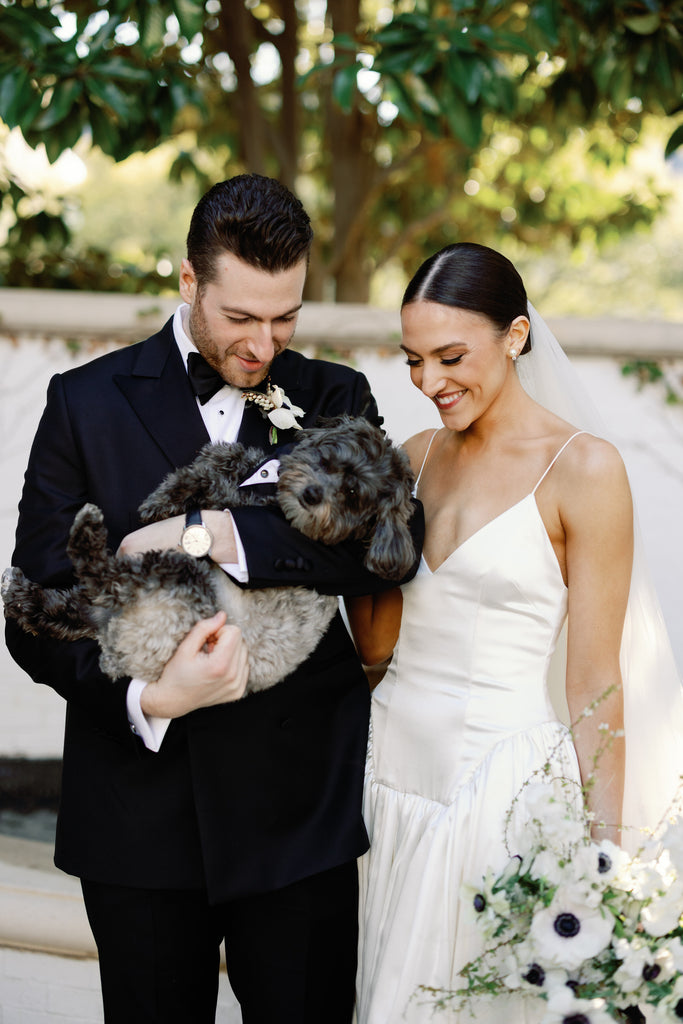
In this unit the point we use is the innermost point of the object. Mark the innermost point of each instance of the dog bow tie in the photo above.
(206, 382)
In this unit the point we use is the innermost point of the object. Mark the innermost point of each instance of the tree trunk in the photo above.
(237, 41)
(351, 140)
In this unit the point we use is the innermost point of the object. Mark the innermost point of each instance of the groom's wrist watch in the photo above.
(196, 538)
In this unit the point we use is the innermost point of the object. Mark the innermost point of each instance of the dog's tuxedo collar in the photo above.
(267, 473)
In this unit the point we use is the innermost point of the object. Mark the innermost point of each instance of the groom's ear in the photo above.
(187, 281)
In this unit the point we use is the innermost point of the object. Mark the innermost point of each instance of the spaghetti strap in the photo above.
(425, 459)
(556, 457)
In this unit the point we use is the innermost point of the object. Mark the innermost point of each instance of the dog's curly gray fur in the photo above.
(342, 480)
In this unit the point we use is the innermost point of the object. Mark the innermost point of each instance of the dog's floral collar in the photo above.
(276, 407)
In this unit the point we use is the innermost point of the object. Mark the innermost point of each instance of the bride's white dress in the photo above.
(460, 721)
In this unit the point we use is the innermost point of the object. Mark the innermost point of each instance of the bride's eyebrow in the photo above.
(435, 351)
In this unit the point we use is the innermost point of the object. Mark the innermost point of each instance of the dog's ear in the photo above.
(391, 551)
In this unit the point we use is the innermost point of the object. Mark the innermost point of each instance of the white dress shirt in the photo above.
(222, 416)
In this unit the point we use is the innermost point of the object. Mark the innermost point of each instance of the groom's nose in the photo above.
(262, 343)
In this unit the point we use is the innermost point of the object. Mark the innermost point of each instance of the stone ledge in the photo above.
(121, 318)
(41, 909)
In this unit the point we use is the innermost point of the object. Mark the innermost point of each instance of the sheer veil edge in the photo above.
(653, 695)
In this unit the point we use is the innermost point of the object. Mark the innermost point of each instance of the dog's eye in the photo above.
(351, 484)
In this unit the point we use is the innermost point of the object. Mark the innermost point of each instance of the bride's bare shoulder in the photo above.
(416, 447)
(593, 466)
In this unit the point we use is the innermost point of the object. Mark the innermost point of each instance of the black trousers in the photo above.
(290, 954)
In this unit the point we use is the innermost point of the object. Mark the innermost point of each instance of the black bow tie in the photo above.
(206, 382)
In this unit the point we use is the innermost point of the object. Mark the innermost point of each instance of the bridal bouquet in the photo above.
(580, 924)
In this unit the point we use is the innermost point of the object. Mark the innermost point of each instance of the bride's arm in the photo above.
(375, 621)
(598, 522)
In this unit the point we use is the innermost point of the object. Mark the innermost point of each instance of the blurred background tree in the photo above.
(402, 125)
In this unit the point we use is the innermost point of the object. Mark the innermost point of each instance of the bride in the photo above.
(529, 522)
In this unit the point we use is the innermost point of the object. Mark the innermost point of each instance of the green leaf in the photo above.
(15, 92)
(425, 59)
(124, 70)
(105, 133)
(396, 61)
(467, 74)
(674, 142)
(344, 86)
(545, 17)
(152, 27)
(644, 24)
(464, 122)
(110, 95)
(395, 92)
(423, 95)
(65, 94)
(190, 15)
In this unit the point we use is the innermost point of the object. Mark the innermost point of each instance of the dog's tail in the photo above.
(88, 551)
(59, 614)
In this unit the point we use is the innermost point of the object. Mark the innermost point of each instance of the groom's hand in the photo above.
(208, 668)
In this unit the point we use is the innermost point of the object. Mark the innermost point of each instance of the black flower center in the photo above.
(576, 1018)
(678, 1009)
(479, 903)
(604, 863)
(567, 925)
(651, 971)
(535, 975)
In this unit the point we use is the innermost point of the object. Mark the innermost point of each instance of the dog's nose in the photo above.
(312, 495)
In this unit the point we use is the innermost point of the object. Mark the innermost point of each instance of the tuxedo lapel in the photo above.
(159, 392)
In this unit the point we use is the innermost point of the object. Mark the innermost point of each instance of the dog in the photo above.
(342, 480)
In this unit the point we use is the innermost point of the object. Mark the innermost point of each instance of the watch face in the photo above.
(196, 540)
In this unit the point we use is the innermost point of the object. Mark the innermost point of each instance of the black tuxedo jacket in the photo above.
(242, 798)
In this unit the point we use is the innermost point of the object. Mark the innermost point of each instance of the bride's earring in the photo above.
(513, 355)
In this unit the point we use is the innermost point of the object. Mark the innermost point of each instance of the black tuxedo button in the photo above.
(285, 564)
(292, 564)
(286, 723)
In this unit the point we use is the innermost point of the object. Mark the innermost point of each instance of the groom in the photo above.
(191, 816)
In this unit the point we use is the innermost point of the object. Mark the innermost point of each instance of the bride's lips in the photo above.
(449, 400)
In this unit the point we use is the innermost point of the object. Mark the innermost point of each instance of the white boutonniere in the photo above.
(276, 407)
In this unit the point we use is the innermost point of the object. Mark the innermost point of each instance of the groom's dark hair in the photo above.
(253, 217)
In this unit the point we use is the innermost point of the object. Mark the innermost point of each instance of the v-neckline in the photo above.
(483, 527)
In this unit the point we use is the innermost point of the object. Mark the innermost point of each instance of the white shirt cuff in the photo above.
(150, 730)
(239, 570)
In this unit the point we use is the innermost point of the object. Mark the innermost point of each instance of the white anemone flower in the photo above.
(555, 870)
(663, 913)
(675, 947)
(599, 863)
(520, 971)
(487, 906)
(670, 1009)
(564, 1007)
(568, 932)
(672, 840)
(555, 814)
(639, 964)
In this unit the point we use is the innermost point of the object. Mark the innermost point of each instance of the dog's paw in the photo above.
(89, 515)
(11, 578)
